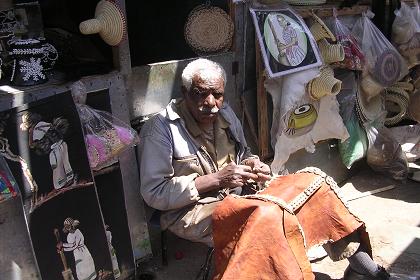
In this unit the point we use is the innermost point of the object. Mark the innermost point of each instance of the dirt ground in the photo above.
(392, 218)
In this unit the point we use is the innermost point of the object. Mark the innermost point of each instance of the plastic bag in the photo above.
(355, 147)
(409, 138)
(383, 62)
(405, 25)
(384, 153)
(105, 136)
(353, 55)
(405, 33)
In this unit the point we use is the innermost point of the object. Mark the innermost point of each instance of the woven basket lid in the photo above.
(208, 30)
(305, 2)
(387, 67)
(109, 22)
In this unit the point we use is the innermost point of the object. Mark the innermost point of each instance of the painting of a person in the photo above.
(85, 267)
(58, 155)
(47, 138)
(115, 268)
(286, 39)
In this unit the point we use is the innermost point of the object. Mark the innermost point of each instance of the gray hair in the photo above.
(206, 69)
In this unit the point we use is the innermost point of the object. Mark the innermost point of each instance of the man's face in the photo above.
(205, 98)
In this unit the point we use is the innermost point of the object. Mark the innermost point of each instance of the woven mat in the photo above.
(208, 30)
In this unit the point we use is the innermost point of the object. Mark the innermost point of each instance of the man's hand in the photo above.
(231, 176)
(259, 168)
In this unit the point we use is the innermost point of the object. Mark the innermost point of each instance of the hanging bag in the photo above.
(384, 64)
(106, 136)
(353, 55)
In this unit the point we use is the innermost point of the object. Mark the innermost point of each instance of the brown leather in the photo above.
(257, 239)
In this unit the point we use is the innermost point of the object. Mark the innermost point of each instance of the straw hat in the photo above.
(400, 98)
(368, 110)
(370, 86)
(208, 30)
(320, 30)
(331, 52)
(324, 84)
(109, 22)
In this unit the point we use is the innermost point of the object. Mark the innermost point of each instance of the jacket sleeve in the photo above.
(160, 188)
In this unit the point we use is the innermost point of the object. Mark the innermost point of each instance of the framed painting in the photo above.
(286, 44)
(43, 144)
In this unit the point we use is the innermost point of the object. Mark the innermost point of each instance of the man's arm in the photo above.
(158, 185)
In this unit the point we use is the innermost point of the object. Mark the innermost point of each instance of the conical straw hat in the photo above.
(109, 22)
(208, 30)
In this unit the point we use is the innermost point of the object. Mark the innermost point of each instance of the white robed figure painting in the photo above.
(288, 38)
(85, 267)
(44, 134)
(60, 165)
(115, 267)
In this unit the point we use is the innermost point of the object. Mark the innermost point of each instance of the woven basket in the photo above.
(331, 52)
(319, 30)
(369, 110)
(109, 22)
(324, 84)
(208, 30)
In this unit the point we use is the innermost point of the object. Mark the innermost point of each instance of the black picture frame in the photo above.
(287, 46)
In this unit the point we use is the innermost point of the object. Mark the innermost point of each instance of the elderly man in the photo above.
(193, 154)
